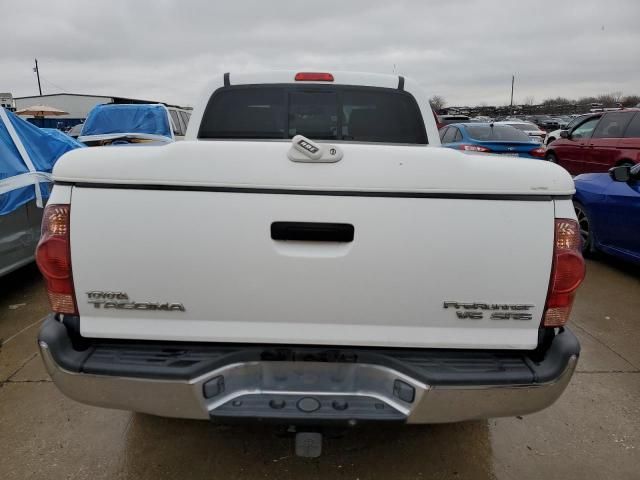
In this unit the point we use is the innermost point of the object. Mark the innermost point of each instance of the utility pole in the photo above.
(513, 79)
(38, 75)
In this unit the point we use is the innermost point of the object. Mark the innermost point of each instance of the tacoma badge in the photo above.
(120, 300)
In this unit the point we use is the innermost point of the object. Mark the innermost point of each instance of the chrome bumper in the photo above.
(250, 384)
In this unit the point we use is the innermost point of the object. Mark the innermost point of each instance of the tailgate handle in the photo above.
(312, 231)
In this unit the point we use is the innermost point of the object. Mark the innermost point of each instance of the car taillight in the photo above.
(567, 273)
(538, 152)
(53, 256)
(473, 148)
(313, 77)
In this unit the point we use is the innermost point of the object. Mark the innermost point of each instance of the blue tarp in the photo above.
(43, 148)
(150, 119)
(60, 135)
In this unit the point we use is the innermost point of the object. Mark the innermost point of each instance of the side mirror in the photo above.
(564, 133)
(620, 174)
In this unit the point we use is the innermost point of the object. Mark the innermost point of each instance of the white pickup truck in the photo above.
(310, 255)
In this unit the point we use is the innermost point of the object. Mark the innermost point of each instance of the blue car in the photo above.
(490, 138)
(608, 210)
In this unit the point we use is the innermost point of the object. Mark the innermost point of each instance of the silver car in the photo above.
(19, 235)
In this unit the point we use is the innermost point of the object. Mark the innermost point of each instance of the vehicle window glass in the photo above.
(458, 136)
(183, 125)
(443, 132)
(449, 135)
(524, 126)
(612, 125)
(497, 132)
(245, 113)
(176, 122)
(185, 119)
(574, 122)
(452, 119)
(381, 115)
(314, 115)
(633, 130)
(585, 129)
(318, 112)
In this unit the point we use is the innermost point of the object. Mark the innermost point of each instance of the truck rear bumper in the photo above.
(307, 385)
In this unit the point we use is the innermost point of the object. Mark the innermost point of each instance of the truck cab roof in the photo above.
(299, 77)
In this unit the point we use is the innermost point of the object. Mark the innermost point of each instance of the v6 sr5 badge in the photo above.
(492, 311)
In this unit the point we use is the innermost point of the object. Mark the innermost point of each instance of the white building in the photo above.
(78, 106)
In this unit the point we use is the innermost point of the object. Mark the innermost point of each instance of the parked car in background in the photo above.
(599, 142)
(608, 209)
(179, 121)
(531, 129)
(490, 138)
(74, 132)
(547, 122)
(555, 134)
(19, 235)
(481, 119)
(27, 155)
(542, 121)
(134, 123)
(561, 122)
(448, 119)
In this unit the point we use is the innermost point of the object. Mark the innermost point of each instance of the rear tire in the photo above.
(586, 233)
(551, 157)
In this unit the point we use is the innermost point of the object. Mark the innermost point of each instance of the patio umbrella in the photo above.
(41, 111)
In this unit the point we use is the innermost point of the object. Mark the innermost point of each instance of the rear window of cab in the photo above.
(319, 112)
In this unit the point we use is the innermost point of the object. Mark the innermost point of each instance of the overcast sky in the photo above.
(463, 50)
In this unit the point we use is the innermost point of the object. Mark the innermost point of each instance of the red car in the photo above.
(598, 143)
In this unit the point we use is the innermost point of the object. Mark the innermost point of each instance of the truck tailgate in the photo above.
(201, 265)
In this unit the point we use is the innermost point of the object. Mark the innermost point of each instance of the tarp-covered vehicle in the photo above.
(123, 124)
(27, 155)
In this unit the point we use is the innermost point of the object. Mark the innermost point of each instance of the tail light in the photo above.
(538, 152)
(53, 256)
(567, 273)
(313, 77)
(473, 148)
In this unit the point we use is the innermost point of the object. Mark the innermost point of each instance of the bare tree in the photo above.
(617, 96)
(605, 99)
(530, 100)
(556, 101)
(631, 100)
(437, 102)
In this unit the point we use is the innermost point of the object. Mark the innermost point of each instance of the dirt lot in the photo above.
(592, 432)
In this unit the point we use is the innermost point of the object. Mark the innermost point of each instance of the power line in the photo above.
(53, 84)
(37, 72)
